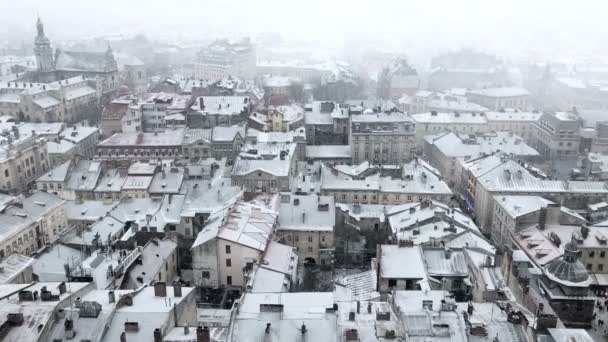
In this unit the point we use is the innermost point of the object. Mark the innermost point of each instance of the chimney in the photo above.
(448, 253)
(160, 289)
(177, 289)
(186, 330)
(123, 337)
(62, 288)
(542, 218)
(202, 334)
(369, 307)
(303, 217)
(303, 329)
(267, 330)
(358, 306)
(111, 296)
(157, 335)
(351, 316)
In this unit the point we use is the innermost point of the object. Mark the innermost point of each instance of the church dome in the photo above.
(568, 270)
(122, 90)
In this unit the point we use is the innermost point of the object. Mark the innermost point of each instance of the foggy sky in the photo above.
(516, 25)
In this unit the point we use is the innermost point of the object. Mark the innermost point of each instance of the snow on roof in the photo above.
(88, 210)
(306, 212)
(227, 134)
(167, 181)
(149, 311)
(501, 92)
(393, 263)
(84, 176)
(12, 266)
(137, 183)
(45, 102)
(569, 335)
(200, 200)
(445, 262)
(362, 285)
(9, 98)
(49, 264)
(57, 174)
(243, 223)
(35, 313)
(328, 151)
(422, 222)
(450, 118)
(459, 145)
(62, 147)
(265, 280)
(512, 116)
(512, 177)
(221, 105)
(153, 255)
(111, 181)
(381, 117)
(280, 258)
(412, 300)
(140, 168)
(167, 138)
(76, 93)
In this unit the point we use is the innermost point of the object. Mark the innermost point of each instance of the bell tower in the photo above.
(43, 50)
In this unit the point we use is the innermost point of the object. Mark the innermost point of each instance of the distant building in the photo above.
(223, 58)
(557, 135)
(396, 79)
(382, 138)
(500, 98)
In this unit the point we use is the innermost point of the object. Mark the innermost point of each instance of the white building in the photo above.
(500, 98)
(231, 242)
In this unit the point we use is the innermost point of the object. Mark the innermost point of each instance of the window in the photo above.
(322, 238)
(392, 282)
(309, 249)
(228, 263)
(229, 280)
(227, 249)
(589, 267)
(205, 274)
(6, 173)
(297, 238)
(310, 239)
(600, 267)
(591, 254)
(602, 254)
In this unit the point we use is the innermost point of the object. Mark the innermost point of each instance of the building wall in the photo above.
(381, 148)
(21, 169)
(309, 244)
(239, 257)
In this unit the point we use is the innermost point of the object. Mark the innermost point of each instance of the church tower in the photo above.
(43, 50)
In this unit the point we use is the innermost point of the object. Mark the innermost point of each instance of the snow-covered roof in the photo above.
(243, 223)
(393, 266)
(328, 151)
(459, 145)
(501, 92)
(12, 266)
(306, 212)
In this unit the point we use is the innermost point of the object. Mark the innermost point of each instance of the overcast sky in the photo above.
(506, 24)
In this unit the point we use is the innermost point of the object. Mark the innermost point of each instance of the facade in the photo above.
(223, 58)
(557, 135)
(381, 138)
(68, 100)
(126, 147)
(522, 124)
(306, 222)
(28, 223)
(23, 158)
(326, 123)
